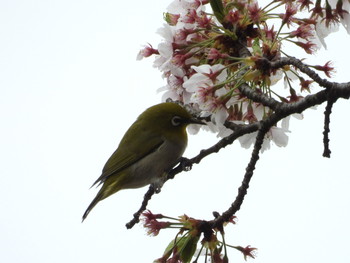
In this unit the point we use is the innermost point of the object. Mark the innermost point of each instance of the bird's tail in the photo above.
(110, 186)
(94, 202)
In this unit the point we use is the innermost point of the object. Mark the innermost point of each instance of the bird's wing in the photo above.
(131, 149)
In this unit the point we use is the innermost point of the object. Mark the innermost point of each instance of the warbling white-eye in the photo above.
(152, 145)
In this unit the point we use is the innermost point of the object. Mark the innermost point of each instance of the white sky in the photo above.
(70, 87)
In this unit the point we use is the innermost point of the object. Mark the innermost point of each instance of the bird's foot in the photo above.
(157, 186)
(185, 164)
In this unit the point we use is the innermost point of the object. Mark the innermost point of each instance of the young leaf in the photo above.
(218, 9)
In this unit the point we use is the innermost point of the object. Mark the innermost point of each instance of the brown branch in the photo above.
(305, 69)
(242, 190)
(255, 96)
(185, 163)
(146, 198)
(332, 92)
(327, 115)
(281, 112)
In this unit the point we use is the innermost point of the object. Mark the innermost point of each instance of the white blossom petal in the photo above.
(285, 123)
(224, 132)
(195, 81)
(275, 78)
(205, 68)
(167, 32)
(247, 140)
(193, 128)
(322, 31)
(219, 117)
(279, 136)
(346, 17)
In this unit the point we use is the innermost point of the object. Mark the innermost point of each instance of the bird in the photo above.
(152, 145)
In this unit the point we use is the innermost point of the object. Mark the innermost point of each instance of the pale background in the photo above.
(70, 87)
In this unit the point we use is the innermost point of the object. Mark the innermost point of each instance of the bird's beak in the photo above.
(196, 121)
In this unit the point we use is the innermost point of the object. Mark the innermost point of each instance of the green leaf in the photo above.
(184, 246)
(218, 9)
(169, 249)
(256, 47)
(188, 247)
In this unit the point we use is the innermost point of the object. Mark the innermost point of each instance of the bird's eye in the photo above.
(176, 121)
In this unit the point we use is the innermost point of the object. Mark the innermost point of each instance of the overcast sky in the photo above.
(71, 86)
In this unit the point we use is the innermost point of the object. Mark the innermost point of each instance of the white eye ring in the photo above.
(176, 121)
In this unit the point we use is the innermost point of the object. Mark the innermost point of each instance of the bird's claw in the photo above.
(157, 186)
(186, 164)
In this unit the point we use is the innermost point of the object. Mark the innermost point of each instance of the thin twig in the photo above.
(332, 91)
(240, 130)
(303, 68)
(242, 190)
(148, 195)
(326, 130)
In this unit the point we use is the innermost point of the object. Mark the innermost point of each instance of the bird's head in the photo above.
(168, 117)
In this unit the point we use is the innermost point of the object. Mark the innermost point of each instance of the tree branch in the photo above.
(146, 198)
(242, 190)
(303, 68)
(327, 115)
(332, 92)
(281, 112)
(239, 131)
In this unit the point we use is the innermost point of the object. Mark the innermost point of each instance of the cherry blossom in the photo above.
(278, 135)
(201, 64)
(224, 61)
(205, 75)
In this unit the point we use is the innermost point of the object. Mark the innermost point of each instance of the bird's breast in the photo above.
(152, 167)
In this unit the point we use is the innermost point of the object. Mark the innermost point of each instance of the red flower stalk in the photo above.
(180, 59)
(217, 257)
(305, 84)
(327, 69)
(269, 33)
(255, 13)
(293, 96)
(305, 4)
(287, 17)
(147, 51)
(171, 19)
(247, 251)
(190, 17)
(148, 215)
(317, 10)
(339, 9)
(330, 17)
(204, 21)
(215, 54)
(234, 17)
(232, 219)
(308, 21)
(308, 46)
(154, 226)
(249, 115)
(235, 113)
(304, 31)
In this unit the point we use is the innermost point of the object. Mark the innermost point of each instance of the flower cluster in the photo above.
(192, 232)
(206, 56)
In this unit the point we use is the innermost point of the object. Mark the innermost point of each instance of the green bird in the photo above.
(152, 145)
